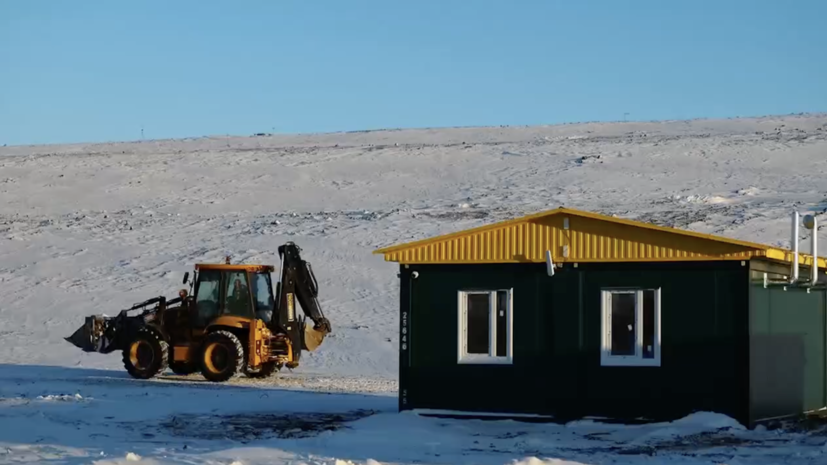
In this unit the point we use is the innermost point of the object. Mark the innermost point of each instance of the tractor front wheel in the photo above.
(147, 355)
(222, 356)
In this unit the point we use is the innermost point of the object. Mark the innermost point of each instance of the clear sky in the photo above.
(100, 70)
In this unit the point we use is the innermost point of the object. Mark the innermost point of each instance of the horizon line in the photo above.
(803, 114)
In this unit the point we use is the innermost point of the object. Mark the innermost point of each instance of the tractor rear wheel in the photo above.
(266, 370)
(222, 356)
(147, 355)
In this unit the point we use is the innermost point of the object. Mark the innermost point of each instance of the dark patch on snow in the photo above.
(692, 443)
(814, 424)
(456, 215)
(586, 159)
(679, 219)
(246, 427)
(706, 444)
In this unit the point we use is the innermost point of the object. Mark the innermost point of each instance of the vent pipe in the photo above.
(814, 245)
(811, 224)
(794, 246)
(549, 263)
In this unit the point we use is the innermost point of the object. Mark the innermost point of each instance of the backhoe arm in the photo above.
(298, 278)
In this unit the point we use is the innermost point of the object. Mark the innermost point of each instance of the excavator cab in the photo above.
(241, 291)
(245, 291)
(233, 320)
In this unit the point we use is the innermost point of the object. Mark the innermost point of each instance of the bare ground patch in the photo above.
(246, 427)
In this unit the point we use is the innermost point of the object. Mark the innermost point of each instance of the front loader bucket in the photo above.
(312, 338)
(82, 338)
(93, 335)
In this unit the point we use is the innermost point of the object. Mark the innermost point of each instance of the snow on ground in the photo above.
(74, 416)
(95, 228)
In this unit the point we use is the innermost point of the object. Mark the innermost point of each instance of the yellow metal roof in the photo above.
(237, 267)
(587, 237)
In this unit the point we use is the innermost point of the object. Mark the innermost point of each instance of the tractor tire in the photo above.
(265, 371)
(183, 368)
(147, 355)
(222, 356)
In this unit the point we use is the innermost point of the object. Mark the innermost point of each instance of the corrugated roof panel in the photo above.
(590, 238)
(587, 240)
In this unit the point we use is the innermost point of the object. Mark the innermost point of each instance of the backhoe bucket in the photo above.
(312, 338)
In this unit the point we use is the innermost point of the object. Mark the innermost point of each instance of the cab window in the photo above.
(237, 300)
(263, 293)
(206, 298)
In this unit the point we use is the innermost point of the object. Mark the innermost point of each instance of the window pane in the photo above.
(478, 323)
(502, 323)
(623, 324)
(206, 299)
(261, 291)
(648, 324)
(264, 300)
(238, 295)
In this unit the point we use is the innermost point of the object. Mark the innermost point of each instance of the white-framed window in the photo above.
(485, 320)
(630, 327)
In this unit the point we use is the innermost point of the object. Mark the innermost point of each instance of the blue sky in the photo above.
(87, 71)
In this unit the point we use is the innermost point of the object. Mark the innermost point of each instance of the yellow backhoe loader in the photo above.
(231, 322)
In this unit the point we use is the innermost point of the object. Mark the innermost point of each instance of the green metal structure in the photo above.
(682, 323)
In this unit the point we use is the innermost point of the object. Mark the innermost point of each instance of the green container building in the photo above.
(572, 314)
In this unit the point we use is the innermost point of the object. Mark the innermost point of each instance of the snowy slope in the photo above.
(95, 228)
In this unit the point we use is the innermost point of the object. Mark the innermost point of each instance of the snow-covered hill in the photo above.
(95, 228)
